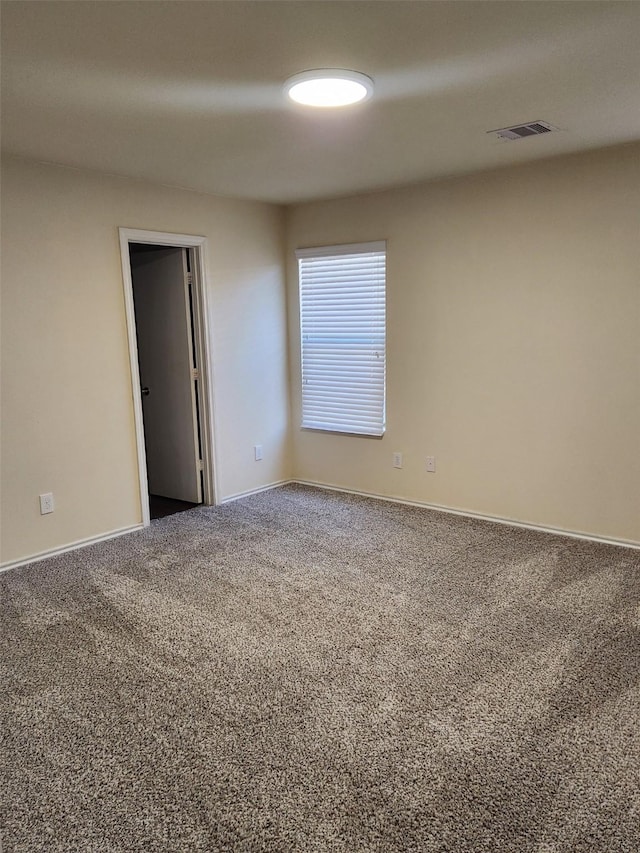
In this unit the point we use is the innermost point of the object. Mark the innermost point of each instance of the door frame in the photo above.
(202, 341)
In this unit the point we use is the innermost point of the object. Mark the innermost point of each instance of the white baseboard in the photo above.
(72, 546)
(510, 522)
(238, 495)
(92, 540)
(556, 531)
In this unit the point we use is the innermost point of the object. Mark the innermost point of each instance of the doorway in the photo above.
(168, 344)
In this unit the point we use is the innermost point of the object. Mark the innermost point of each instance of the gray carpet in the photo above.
(308, 671)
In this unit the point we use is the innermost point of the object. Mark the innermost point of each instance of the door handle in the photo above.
(144, 391)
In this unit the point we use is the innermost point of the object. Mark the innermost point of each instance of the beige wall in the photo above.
(67, 416)
(513, 343)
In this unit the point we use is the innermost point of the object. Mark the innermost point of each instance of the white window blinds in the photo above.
(342, 325)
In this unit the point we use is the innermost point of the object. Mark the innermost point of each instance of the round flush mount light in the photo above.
(329, 87)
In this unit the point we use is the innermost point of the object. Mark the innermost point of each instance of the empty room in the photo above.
(320, 487)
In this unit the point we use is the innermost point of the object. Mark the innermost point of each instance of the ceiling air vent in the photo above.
(533, 128)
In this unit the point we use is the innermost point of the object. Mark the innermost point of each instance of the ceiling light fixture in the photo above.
(329, 87)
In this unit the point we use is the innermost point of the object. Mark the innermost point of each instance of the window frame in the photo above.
(358, 427)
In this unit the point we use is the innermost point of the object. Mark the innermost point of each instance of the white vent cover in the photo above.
(520, 131)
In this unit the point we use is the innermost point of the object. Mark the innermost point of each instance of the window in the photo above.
(342, 326)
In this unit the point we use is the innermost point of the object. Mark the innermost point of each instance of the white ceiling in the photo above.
(190, 93)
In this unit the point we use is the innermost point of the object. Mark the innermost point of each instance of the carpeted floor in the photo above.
(309, 671)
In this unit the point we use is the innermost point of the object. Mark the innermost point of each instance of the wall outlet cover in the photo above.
(46, 503)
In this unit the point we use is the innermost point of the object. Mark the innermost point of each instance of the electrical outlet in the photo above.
(257, 452)
(46, 503)
(397, 460)
(431, 464)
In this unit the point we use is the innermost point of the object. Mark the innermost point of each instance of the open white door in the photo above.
(167, 376)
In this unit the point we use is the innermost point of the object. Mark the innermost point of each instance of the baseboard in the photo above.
(72, 546)
(238, 495)
(510, 522)
(92, 540)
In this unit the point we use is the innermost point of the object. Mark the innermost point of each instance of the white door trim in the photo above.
(206, 395)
